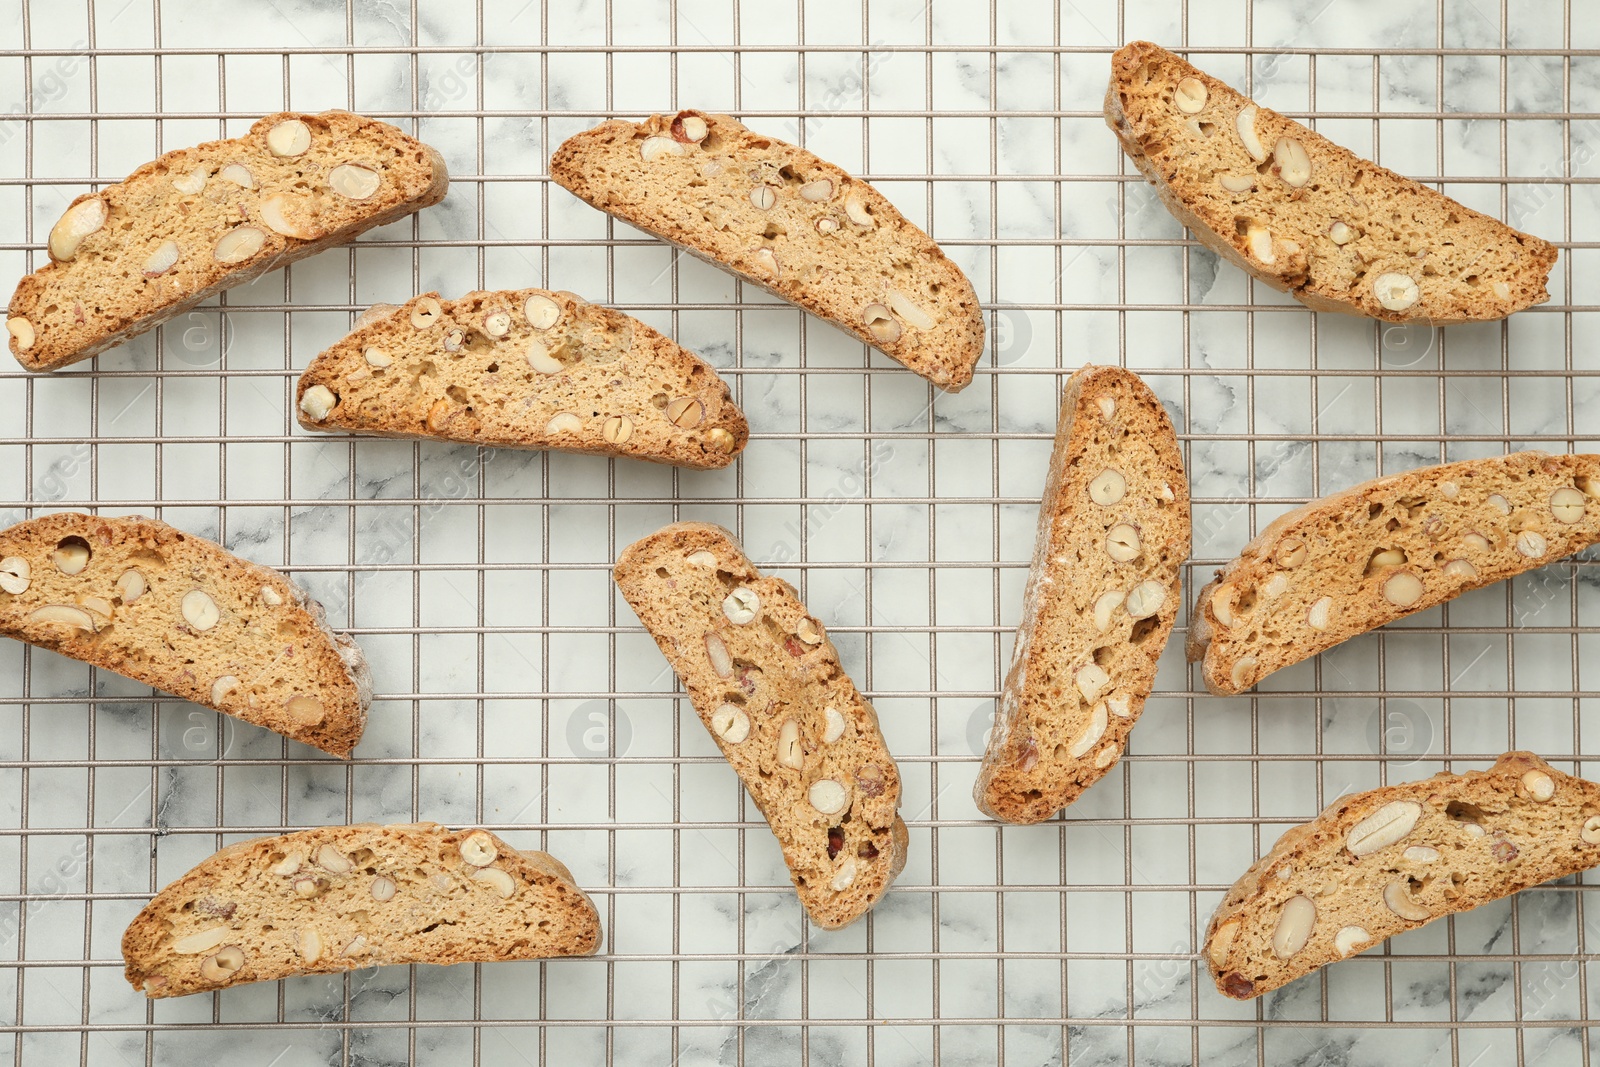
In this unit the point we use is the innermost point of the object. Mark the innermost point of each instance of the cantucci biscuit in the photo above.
(796, 225)
(1377, 864)
(342, 897)
(1334, 231)
(1384, 549)
(524, 368)
(767, 683)
(200, 220)
(1103, 592)
(174, 611)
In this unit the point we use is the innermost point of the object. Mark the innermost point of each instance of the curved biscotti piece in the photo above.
(1103, 592)
(524, 368)
(796, 225)
(199, 220)
(179, 613)
(1377, 864)
(1334, 231)
(768, 685)
(342, 897)
(1353, 561)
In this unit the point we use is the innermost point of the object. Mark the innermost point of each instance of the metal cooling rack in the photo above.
(516, 691)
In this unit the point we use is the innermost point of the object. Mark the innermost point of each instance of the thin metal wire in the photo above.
(666, 795)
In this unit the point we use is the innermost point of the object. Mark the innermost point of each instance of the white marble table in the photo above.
(515, 688)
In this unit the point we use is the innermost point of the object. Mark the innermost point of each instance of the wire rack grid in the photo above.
(516, 691)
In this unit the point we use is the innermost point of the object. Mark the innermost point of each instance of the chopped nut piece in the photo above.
(382, 889)
(1108, 488)
(270, 597)
(199, 610)
(478, 849)
(1403, 589)
(1290, 553)
(1146, 598)
(1568, 504)
(1122, 543)
(1292, 161)
(1499, 503)
(307, 711)
(1222, 604)
(702, 558)
(238, 174)
(222, 687)
(563, 422)
(21, 331)
(1222, 941)
(1190, 96)
(1461, 568)
(223, 965)
(1107, 406)
(689, 129)
(77, 222)
(835, 725)
(1421, 854)
(15, 575)
(1103, 758)
(318, 402)
(741, 606)
(817, 191)
(789, 751)
(1260, 241)
(617, 430)
(730, 723)
(1274, 586)
(1245, 123)
(309, 943)
(764, 197)
(767, 260)
(807, 630)
(1341, 233)
(192, 183)
(1383, 827)
(1092, 733)
(902, 305)
(426, 312)
(685, 411)
(497, 323)
(1395, 292)
(717, 653)
(283, 214)
(828, 796)
(1317, 614)
(844, 877)
(541, 312)
(1397, 896)
(1105, 607)
(1348, 938)
(1540, 786)
(1531, 543)
(1299, 915)
(720, 440)
(1091, 680)
(655, 148)
(1242, 670)
(201, 942)
(376, 357)
(540, 359)
(161, 260)
(333, 861)
(498, 880)
(1591, 830)
(64, 615)
(1236, 183)
(291, 137)
(1119, 706)
(239, 244)
(880, 323)
(354, 182)
(827, 224)
(855, 209)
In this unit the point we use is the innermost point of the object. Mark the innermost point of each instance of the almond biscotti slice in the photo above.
(199, 220)
(1334, 231)
(177, 612)
(768, 685)
(1353, 561)
(798, 226)
(1103, 592)
(524, 368)
(1380, 863)
(342, 897)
